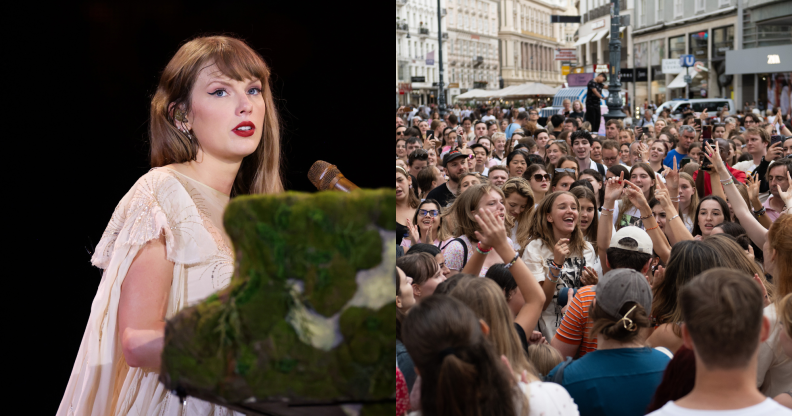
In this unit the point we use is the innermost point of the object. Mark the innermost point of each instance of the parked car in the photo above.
(712, 105)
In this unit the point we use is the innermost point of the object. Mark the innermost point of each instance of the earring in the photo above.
(179, 115)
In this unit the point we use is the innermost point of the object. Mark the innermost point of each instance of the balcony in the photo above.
(401, 2)
(402, 27)
(423, 31)
(477, 61)
(445, 36)
(443, 12)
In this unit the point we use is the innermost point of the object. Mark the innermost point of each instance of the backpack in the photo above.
(464, 248)
(558, 377)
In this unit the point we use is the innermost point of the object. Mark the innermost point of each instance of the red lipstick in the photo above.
(245, 132)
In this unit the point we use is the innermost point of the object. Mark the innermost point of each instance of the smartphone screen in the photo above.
(706, 133)
(776, 139)
(705, 163)
(684, 162)
(697, 122)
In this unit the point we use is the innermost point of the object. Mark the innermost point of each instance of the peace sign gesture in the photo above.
(672, 176)
(636, 196)
(716, 160)
(661, 194)
(614, 188)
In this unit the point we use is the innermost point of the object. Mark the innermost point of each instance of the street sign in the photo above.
(565, 70)
(565, 54)
(671, 66)
(418, 79)
(687, 61)
(626, 75)
(699, 67)
(453, 85)
(688, 79)
(600, 68)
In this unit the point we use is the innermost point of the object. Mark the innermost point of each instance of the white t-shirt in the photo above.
(487, 118)
(536, 257)
(769, 407)
(774, 368)
(632, 217)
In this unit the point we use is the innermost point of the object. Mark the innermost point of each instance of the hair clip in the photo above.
(631, 327)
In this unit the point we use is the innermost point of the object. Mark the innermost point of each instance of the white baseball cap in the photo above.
(641, 241)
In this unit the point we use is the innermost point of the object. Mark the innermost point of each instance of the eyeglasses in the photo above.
(559, 170)
(431, 213)
(538, 177)
(609, 159)
(400, 133)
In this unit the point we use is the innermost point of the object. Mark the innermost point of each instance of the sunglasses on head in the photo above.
(431, 213)
(559, 170)
(540, 178)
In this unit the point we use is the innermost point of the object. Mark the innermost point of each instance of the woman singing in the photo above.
(214, 134)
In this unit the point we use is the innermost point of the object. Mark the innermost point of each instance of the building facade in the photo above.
(472, 61)
(527, 41)
(417, 69)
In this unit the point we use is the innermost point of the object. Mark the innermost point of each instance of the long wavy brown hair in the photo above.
(260, 171)
(522, 188)
(541, 229)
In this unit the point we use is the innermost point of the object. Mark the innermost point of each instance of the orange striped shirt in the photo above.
(576, 326)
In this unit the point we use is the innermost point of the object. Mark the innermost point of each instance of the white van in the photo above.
(713, 105)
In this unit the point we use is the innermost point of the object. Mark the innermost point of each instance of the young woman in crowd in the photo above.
(565, 137)
(589, 220)
(624, 154)
(694, 152)
(401, 149)
(465, 242)
(498, 149)
(785, 321)
(540, 181)
(620, 377)
(542, 137)
(558, 253)
(555, 150)
(461, 372)
(404, 301)
(577, 110)
(519, 201)
(449, 140)
(432, 160)
(657, 153)
(658, 212)
(406, 203)
(626, 213)
(561, 181)
(711, 211)
(566, 164)
(688, 199)
(424, 271)
(595, 179)
(425, 225)
(466, 180)
(516, 163)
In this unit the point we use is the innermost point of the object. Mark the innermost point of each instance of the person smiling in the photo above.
(214, 134)
(516, 163)
(626, 213)
(540, 181)
(519, 203)
(557, 254)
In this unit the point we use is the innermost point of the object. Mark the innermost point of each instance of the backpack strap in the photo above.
(601, 169)
(464, 250)
(665, 351)
(558, 377)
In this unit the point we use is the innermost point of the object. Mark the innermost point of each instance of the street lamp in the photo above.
(441, 101)
(614, 87)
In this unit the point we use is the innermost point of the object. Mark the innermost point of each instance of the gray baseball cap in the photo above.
(620, 286)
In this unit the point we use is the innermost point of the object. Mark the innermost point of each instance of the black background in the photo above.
(79, 78)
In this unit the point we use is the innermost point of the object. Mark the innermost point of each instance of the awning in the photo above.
(601, 34)
(679, 81)
(570, 93)
(473, 94)
(531, 89)
(621, 29)
(504, 92)
(585, 39)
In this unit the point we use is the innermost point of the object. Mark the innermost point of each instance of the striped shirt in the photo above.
(571, 330)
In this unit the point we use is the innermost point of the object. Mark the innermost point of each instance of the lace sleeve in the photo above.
(157, 203)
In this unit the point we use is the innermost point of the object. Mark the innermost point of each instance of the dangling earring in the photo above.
(181, 117)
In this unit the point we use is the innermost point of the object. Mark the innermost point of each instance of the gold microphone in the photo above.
(327, 177)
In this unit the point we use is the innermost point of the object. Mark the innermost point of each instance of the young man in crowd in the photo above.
(750, 120)
(485, 115)
(610, 153)
(533, 115)
(413, 143)
(498, 175)
(777, 177)
(630, 248)
(612, 129)
(416, 162)
(492, 128)
(455, 164)
(558, 124)
(480, 129)
(593, 97)
(481, 162)
(581, 147)
(756, 142)
(596, 150)
(522, 117)
(453, 121)
(571, 124)
(723, 325)
(686, 138)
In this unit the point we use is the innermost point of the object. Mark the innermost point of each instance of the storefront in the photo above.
(722, 41)
(641, 92)
(698, 47)
(676, 48)
(766, 75)
(657, 89)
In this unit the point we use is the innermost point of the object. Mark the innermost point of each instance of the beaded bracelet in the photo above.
(723, 181)
(514, 260)
(650, 229)
(609, 210)
(760, 212)
(647, 217)
(484, 252)
(729, 182)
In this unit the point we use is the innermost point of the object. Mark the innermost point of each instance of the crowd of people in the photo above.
(545, 269)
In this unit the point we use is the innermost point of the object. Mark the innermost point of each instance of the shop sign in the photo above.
(565, 54)
(453, 85)
(671, 66)
(418, 79)
(579, 80)
(578, 70)
(600, 68)
(598, 24)
(565, 70)
(626, 75)
(773, 59)
(641, 75)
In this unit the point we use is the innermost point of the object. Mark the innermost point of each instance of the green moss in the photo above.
(322, 240)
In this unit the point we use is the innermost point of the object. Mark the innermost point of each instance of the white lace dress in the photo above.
(190, 215)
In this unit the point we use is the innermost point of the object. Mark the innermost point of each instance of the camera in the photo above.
(565, 295)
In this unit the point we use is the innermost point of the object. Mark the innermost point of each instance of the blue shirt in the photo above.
(614, 382)
(669, 159)
(511, 128)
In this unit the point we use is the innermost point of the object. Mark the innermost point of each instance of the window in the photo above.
(659, 11)
(676, 47)
(678, 8)
(642, 18)
(698, 45)
(699, 6)
(722, 41)
(722, 3)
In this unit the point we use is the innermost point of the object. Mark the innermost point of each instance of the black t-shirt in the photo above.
(401, 230)
(579, 115)
(441, 194)
(416, 189)
(591, 98)
(523, 338)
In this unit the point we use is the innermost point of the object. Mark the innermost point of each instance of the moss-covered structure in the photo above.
(306, 318)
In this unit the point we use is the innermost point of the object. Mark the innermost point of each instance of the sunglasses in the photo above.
(559, 170)
(554, 141)
(431, 213)
(538, 177)
(400, 133)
